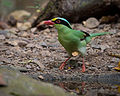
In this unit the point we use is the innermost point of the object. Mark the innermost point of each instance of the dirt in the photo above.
(37, 53)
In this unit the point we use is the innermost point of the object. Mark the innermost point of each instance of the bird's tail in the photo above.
(100, 34)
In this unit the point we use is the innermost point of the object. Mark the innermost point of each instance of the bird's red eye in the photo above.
(58, 21)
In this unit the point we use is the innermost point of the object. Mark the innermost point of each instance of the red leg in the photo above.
(83, 66)
(63, 64)
(83, 86)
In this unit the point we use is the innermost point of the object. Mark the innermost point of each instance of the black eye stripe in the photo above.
(59, 21)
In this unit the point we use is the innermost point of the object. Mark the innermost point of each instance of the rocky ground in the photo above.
(38, 52)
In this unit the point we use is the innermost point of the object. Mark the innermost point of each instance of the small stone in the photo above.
(93, 68)
(38, 46)
(109, 68)
(22, 43)
(43, 44)
(19, 24)
(101, 90)
(41, 77)
(30, 45)
(28, 66)
(13, 30)
(23, 26)
(118, 34)
(2, 37)
(103, 47)
(91, 22)
(45, 53)
(23, 34)
(27, 25)
(33, 29)
(7, 34)
(1, 63)
(10, 35)
(38, 63)
(20, 15)
(47, 30)
(12, 42)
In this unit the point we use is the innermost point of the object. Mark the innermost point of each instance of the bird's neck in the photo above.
(62, 29)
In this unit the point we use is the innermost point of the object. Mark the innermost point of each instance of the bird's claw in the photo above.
(62, 66)
(83, 68)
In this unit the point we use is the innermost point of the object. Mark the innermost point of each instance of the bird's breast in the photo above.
(69, 43)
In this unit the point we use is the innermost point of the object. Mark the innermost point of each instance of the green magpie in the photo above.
(74, 41)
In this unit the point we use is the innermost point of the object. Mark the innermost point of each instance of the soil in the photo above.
(38, 53)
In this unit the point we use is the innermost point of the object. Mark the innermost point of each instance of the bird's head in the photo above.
(58, 22)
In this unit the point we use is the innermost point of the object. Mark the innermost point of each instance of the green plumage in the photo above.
(74, 40)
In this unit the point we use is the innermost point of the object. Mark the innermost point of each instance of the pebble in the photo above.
(41, 77)
(2, 37)
(16, 42)
(47, 30)
(23, 34)
(13, 30)
(38, 46)
(45, 53)
(1, 62)
(109, 68)
(43, 44)
(22, 43)
(33, 29)
(23, 26)
(91, 22)
(28, 66)
(93, 68)
(7, 34)
(39, 64)
(20, 15)
(30, 45)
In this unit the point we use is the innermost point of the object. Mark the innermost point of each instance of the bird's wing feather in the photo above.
(82, 35)
(82, 47)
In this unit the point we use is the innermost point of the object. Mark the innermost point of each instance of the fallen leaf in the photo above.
(117, 68)
(75, 53)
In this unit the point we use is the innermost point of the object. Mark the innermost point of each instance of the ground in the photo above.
(35, 52)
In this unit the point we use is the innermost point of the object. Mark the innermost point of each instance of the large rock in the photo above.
(13, 83)
(77, 10)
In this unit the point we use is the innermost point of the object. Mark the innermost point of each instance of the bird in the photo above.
(74, 41)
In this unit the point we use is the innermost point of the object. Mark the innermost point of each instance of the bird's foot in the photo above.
(62, 66)
(83, 68)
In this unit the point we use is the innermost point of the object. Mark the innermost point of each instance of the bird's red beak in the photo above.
(49, 22)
